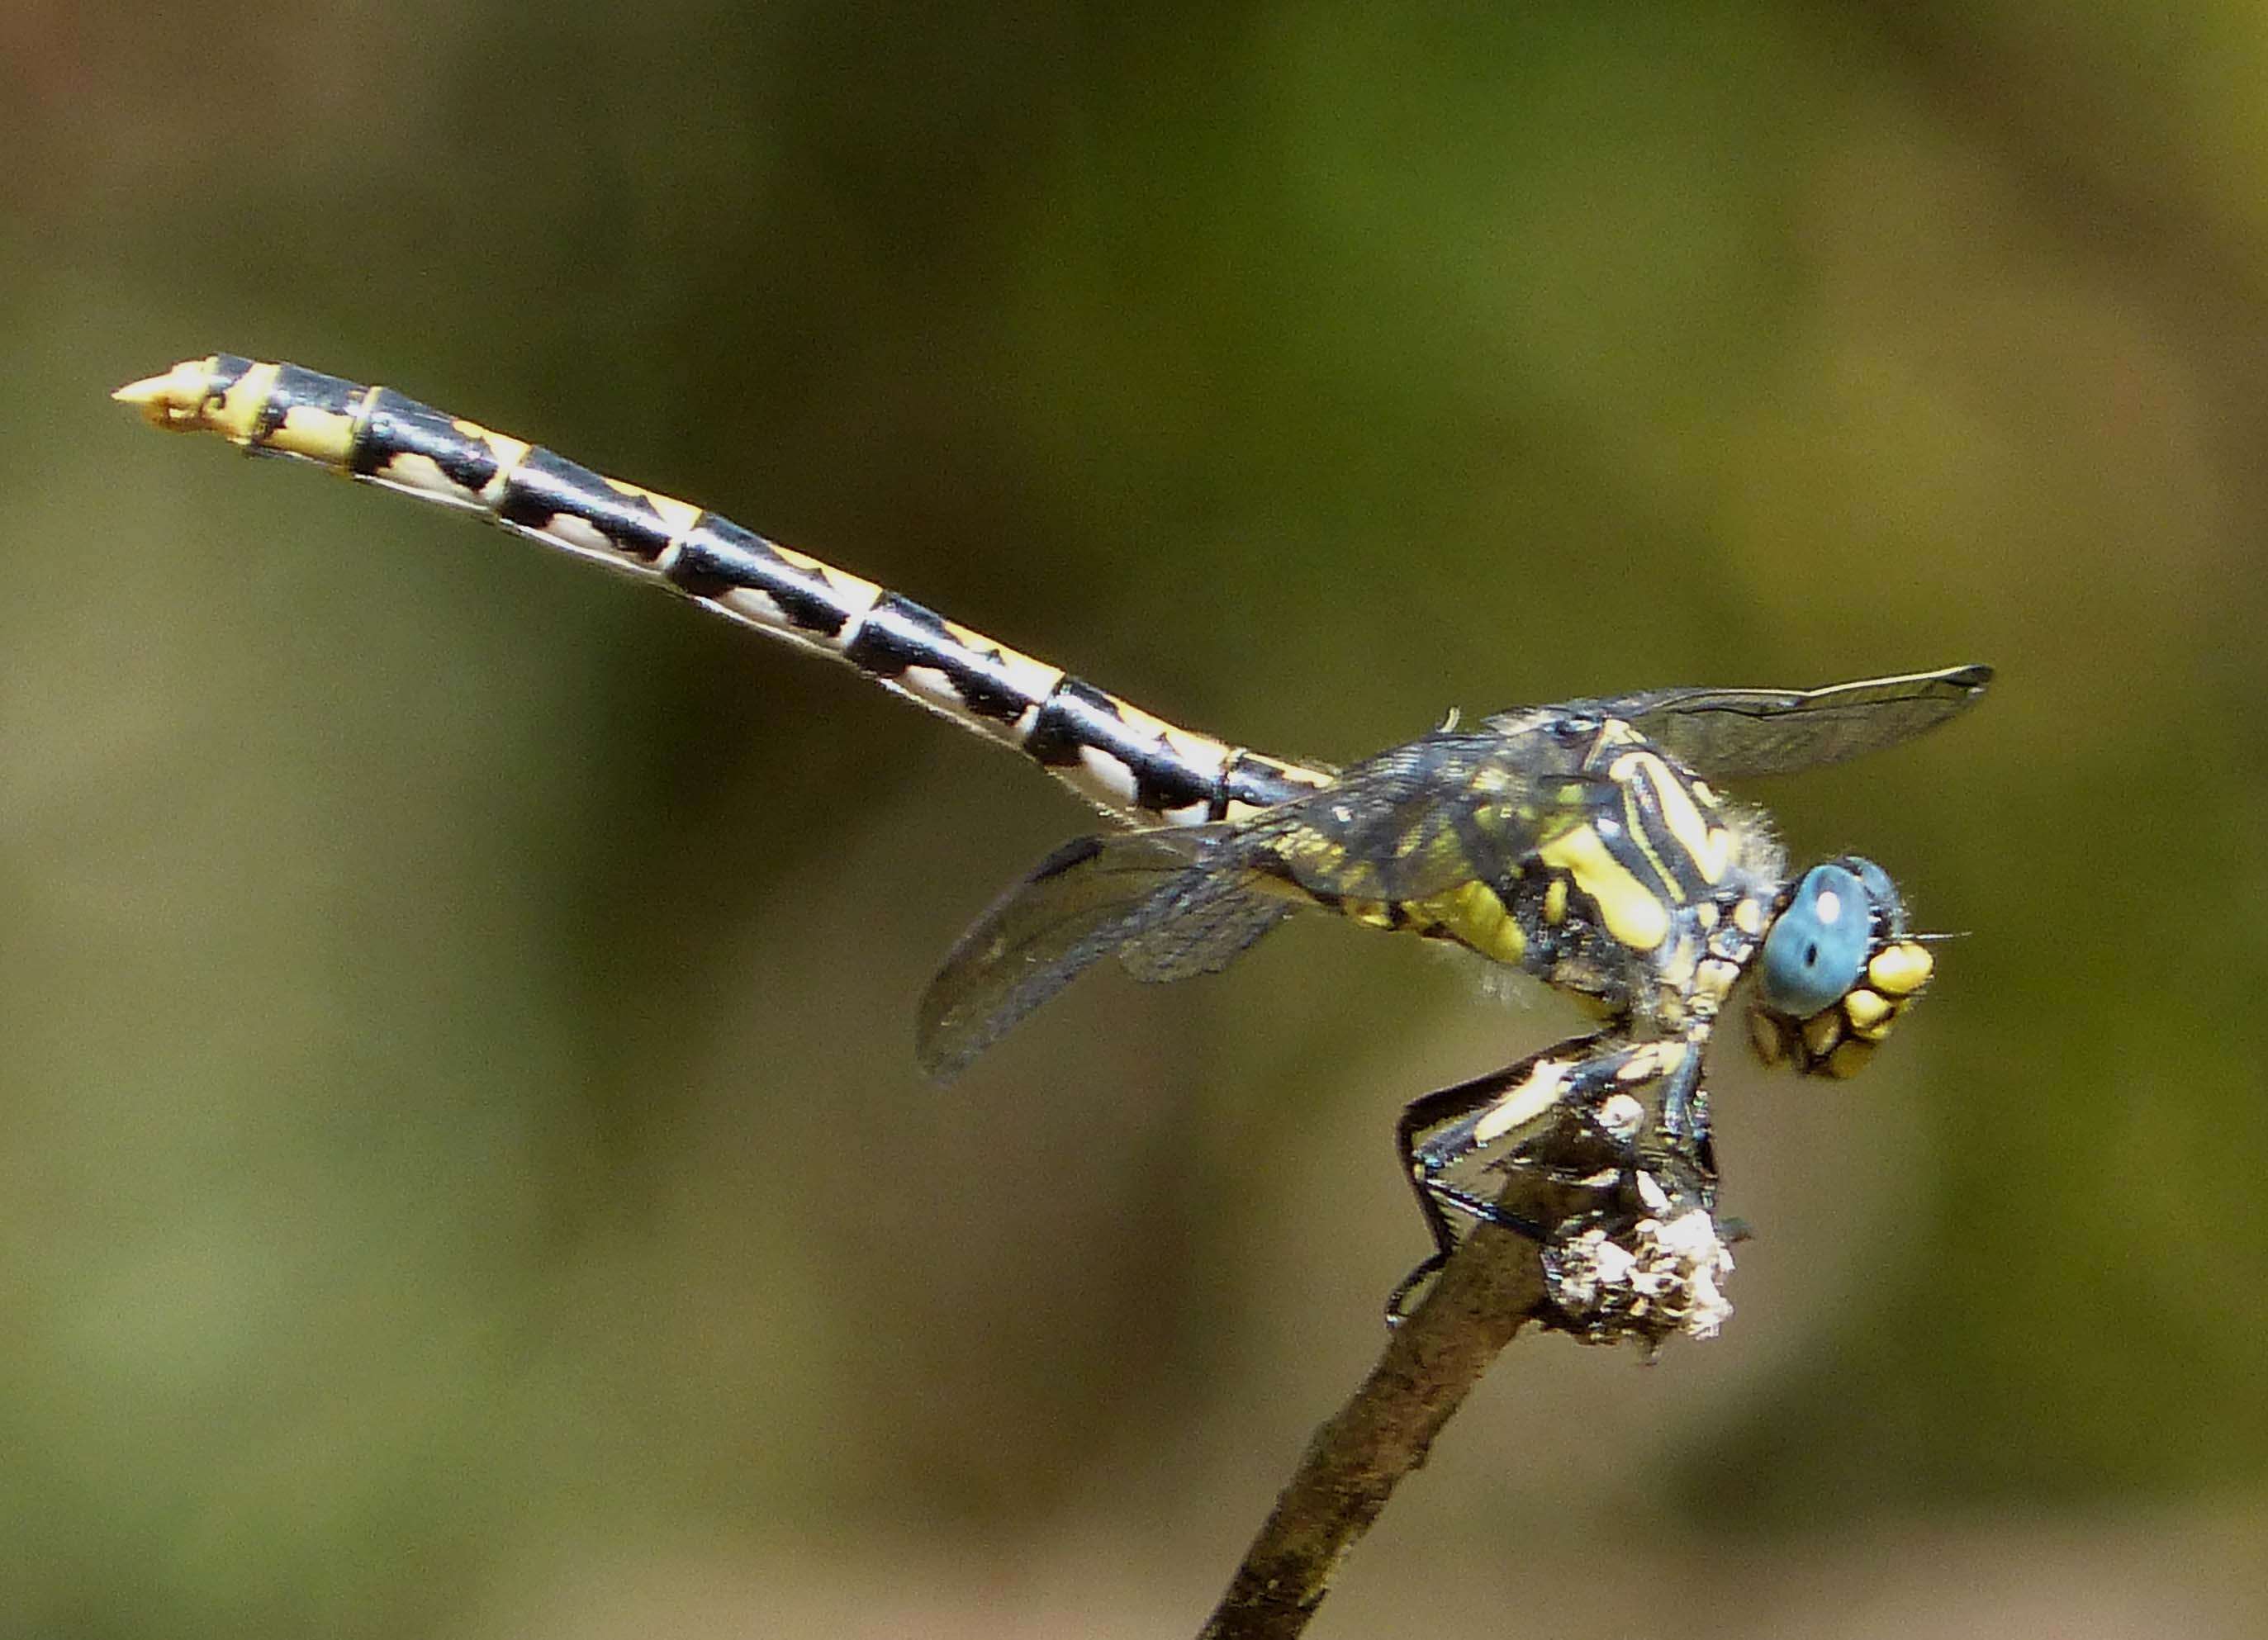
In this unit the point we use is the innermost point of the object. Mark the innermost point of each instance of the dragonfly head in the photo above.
(1837, 969)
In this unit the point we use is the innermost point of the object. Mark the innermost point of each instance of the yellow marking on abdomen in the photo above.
(421, 475)
(1632, 915)
(237, 417)
(677, 516)
(325, 436)
(509, 453)
(856, 589)
(1034, 680)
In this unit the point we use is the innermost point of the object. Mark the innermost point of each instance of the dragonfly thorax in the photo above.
(1644, 890)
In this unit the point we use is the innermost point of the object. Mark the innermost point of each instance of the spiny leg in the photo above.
(1440, 1130)
(1572, 1116)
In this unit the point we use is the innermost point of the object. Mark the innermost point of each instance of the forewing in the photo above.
(1426, 818)
(1168, 897)
(1735, 734)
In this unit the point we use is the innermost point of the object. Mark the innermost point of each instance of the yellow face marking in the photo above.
(1634, 917)
(1518, 1106)
(1900, 970)
(1768, 1035)
(1866, 1009)
(1821, 1032)
(1714, 978)
(1706, 913)
(1748, 917)
(1850, 1059)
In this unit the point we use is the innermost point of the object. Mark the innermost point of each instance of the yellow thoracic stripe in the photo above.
(1633, 914)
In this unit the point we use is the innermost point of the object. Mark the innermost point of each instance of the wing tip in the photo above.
(940, 1066)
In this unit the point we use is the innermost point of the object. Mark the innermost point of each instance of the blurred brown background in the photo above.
(464, 1174)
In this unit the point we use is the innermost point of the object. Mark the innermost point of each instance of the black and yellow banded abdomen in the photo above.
(1132, 765)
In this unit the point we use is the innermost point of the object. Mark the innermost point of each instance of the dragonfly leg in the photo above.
(1576, 1121)
(1442, 1129)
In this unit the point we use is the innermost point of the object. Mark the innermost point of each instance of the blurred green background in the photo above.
(464, 1172)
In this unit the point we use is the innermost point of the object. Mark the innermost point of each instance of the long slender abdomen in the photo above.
(1134, 766)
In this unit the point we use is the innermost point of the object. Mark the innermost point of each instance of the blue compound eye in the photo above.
(1816, 951)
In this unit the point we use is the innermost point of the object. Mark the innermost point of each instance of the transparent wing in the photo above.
(1414, 822)
(1172, 902)
(1426, 818)
(1732, 734)
(1203, 939)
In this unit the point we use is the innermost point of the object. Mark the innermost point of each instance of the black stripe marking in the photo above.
(296, 388)
(1077, 715)
(720, 556)
(398, 426)
(546, 486)
(1645, 798)
(898, 633)
(1623, 850)
(1249, 780)
(227, 370)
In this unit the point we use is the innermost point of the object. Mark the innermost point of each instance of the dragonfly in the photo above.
(1586, 843)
